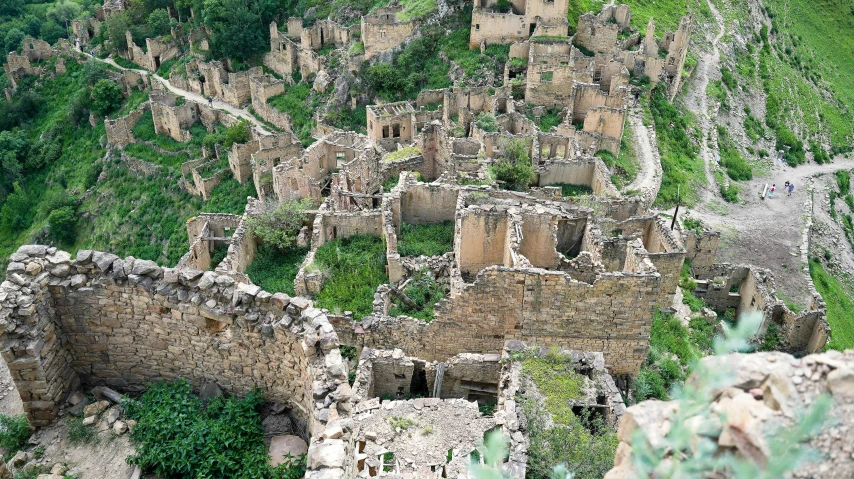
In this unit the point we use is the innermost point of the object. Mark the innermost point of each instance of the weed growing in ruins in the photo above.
(279, 224)
(229, 196)
(486, 122)
(567, 190)
(175, 432)
(425, 292)
(624, 168)
(513, 170)
(557, 435)
(487, 408)
(78, 433)
(356, 267)
(673, 350)
(274, 270)
(401, 423)
(426, 239)
(14, 433)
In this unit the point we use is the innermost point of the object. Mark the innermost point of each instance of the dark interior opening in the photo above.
(418, 385)
(593, 418)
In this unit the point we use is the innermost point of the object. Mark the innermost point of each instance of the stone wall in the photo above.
(120, 130)
(262, 89)
(381, 31)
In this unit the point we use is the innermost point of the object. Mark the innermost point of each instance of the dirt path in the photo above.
(238, 112)
(649, 163)
(767, 232)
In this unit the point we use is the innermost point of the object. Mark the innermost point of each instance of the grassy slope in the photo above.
(840, 307)
(126, 211)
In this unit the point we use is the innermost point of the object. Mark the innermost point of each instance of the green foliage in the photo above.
(567, 190)
(417, 9)
(426, 239)
(753, 127)
(694, 224)
(356, 267)
(843, 181)
(793, 148)
(274, 270)
(106, 97)
(730, 193)
(819, 153)
(78, 433)
(552, 117)
(585, 445)
(673, 351)
(736, 167)
(278, 225)
(347, 119)
(486, 122)
(177, 435)
(772, 339)
(158, 22)
(402, 153)
(294, 102)
(229, 196)
(682, 167)
(62, 223)
(623, 168)
(840, 306)
(513, 168)
(239, 29)
(14, 433)
(425, 292)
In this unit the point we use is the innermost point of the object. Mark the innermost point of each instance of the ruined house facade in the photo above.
(489, 25)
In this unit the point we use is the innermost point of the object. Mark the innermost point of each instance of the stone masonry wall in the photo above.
(100, 319)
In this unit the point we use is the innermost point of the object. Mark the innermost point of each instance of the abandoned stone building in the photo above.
(577, 278)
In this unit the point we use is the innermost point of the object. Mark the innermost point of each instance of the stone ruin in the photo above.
(524, 20)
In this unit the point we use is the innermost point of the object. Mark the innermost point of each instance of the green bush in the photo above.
(428, 240)
(14, 433)
(274, 270)
(730, 193)
(681, 164)
(486, 122)
(295, 102)
(513, 168)
(278, 225)
(106, 97)
(567, 190)
(178, 435)
(793, 148)
(62, 223)
(355, 267)
(843, 181)
(425, 292)
(736, 167)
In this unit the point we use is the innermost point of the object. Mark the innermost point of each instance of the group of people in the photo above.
(788, 188)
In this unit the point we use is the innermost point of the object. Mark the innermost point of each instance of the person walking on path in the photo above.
(791, 188)
(771, 191)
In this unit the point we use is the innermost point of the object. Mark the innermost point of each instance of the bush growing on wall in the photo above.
(278, 225)
(513, 169)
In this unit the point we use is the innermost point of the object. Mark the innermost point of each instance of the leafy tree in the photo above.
(158, 22)
(15, 214)
(11, 8)
(63, 11)
(61, 224)
(106, 97)
(278, 225)
(239, 27)
(513, 169)
(13, 151)
(31, 25)
(13, 39)
(51, 31)
(114, 31)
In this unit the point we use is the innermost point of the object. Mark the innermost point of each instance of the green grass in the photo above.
(552, 117)
(666, 13)
(355, 267)
(557, 435)
(567, 190)
(736, 167)
(124, 63)
(295, 102)
(624, 168)
(428, 240)
(673, 350)
(840, 307)
(682, 166)
(275, 270)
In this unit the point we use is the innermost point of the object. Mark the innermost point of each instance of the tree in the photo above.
(51, 32)
(513, 168)
(61, 224)
(106, 97)
(63, 11)
(15, 213)
(158, 22)
(114, 31)
(13, 39)
(11, 8)
(13, 152)
(278, 225)
(239, 27)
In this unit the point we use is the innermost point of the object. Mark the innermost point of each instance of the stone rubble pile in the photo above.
(764, 392)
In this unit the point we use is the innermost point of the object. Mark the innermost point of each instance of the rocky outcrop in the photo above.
(762, 395)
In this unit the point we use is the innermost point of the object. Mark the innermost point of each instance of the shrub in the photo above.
(486, 122)
(278, 225)
(730, 193)
(14, 433)
(62, 223)
(106, 97)
(680, 162)
(274, 270)
(428, 240)
(513, 168)
(843, 181)
(425, 292)
(177, 435)
(793, 148)
(158, 22)
(356, 267)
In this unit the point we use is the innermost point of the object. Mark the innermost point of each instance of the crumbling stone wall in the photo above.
(170, 119)
(120, 130)
(525, 17)
(261, 90)
(381, 31)
(157, 52)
